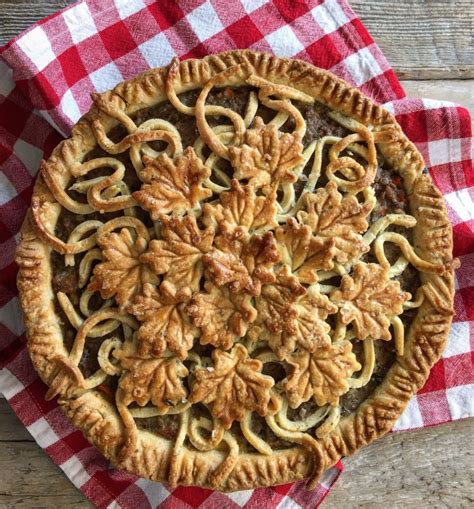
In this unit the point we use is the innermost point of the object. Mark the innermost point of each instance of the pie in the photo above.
(235, 272)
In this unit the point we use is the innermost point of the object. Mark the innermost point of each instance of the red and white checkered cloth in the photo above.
(46, 76)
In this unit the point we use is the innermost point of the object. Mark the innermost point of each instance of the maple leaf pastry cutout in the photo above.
(222, 316)
(165, 324)
(240, 206)
(266, 156)
(303, 252)
(321, 375)
(122, 274)
(144, 380)
(369, 299)
(172, 185)
(275, 302)
(178, 254)
(233, 386)
(337, 220)
(241, 261)
(309, 330)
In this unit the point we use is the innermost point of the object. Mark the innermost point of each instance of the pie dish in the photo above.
(235, 272)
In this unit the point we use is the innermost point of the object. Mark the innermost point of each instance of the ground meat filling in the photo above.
(384, 358)
(391, 198)
(166, 426)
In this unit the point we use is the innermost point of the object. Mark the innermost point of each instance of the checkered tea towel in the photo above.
(46, 77)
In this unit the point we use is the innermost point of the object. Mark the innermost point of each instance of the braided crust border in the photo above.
(155, 457)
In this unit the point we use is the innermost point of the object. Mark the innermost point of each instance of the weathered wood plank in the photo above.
(17, 15)
(29, 479)
(419, 469)
(11, 429)
(431, 39)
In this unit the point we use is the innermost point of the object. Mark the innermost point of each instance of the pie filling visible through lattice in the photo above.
(233, 273)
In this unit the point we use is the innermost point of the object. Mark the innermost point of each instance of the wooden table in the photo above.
(430, 44)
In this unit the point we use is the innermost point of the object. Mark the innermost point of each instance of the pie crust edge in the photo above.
(432, 237)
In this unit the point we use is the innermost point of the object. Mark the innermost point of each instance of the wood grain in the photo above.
(16, 15)
(35, 482)
(431, 39)
(458, 91)
(420, 469)
(29, 479)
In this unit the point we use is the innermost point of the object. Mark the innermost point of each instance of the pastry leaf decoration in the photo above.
(309, 327)
(337, 219)
(233, 386)
(322, 375)
(266, 156)
(158, 381)
(303, 252)
(369, 299)
(178, 254)
(241, 207)
(222, 316)
(172, 185)
(275, 304)
(122, 274)
(165, 324)
(241, 261)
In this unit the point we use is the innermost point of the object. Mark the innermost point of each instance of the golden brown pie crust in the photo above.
(262, 157)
